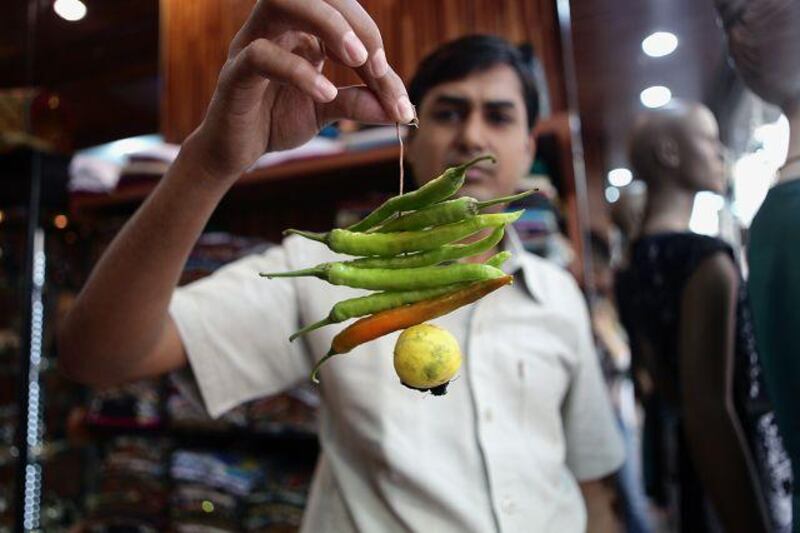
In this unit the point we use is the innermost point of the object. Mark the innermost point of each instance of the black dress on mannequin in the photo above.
(649, 295)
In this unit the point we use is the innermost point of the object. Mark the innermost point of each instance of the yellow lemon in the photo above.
(426, 357)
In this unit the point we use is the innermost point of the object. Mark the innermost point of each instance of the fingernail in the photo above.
(325, 90)
(378, 66)
(354, 48)
(405, 110)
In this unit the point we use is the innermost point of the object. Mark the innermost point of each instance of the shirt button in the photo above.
(487, 415)
(508, 506)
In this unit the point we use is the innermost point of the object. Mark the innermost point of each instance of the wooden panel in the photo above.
(195, 37)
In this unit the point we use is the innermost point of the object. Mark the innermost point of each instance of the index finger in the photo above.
(271, 19)
(376, 73)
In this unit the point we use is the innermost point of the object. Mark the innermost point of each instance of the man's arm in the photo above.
(271, 95)
(714, 434)
(119, 329)
(601, 502)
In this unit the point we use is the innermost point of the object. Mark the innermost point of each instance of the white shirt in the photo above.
(527, 417)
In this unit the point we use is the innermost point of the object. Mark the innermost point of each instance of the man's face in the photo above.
(483, 113)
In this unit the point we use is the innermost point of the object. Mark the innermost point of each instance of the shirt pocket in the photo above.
(539, 364)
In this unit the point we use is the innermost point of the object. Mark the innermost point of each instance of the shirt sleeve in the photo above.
(594, 443)
(235, 326)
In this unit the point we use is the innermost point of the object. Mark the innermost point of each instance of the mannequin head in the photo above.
(764, 42)
(676, 149)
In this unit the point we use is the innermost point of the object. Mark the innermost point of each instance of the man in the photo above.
(527, 421)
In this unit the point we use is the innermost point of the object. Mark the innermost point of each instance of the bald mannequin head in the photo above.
(677, 148)
(764, 42)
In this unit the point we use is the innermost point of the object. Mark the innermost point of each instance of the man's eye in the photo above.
(500, 118)
(446, 115)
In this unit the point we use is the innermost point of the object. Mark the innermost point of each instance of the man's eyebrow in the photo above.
(500, 105)
(452, 100)
(466, 102)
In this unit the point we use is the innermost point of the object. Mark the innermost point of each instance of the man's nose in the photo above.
(473, 134)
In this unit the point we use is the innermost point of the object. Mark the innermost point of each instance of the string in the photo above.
(400, 140)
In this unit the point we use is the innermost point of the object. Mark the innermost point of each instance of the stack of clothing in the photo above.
(209, 488)
(129, 406)
(294, 411)
(277, 506)
(131, 490)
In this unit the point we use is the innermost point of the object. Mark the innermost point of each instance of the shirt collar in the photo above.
(521, 264)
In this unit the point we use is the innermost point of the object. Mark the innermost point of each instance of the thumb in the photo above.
(356, 103)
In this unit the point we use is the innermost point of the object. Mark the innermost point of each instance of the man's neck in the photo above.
(791, 171)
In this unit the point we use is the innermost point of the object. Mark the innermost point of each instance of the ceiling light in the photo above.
(660, 44)
(655, 96)
(620, 177)
(612, 194)
(71, 10)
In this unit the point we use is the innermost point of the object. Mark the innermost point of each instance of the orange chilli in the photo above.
(384, 322)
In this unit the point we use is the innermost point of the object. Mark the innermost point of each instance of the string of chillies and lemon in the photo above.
(402, 247)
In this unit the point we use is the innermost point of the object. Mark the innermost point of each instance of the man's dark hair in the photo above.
(455, 60)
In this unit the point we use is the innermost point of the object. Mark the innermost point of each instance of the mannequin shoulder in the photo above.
(715, 276)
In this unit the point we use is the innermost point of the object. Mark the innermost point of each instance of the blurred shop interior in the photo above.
(95, 99)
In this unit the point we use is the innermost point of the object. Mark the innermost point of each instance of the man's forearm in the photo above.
(120, 314)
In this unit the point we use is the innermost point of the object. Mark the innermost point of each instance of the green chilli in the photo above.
(444, 213)
(403, 279)
(498, 259)
(374, 303)
(391, 244)
(448, 252)
(436, 190)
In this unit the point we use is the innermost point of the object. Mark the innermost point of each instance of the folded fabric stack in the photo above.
(278, 505)
(209, 488)
(130, 492)
(125, 162)
(186, 414)
(294, 411)
(215, 249)
(130, 406)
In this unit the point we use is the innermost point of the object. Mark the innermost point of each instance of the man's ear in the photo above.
(667, 152)
(532, 143)
(531, 148)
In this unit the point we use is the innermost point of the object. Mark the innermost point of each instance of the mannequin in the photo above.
(764, 41)
(685, 309)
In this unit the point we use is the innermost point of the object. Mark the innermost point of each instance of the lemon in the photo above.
(426, 357)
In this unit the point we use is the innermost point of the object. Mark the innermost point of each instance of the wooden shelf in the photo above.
(321, 170)
(84, 203)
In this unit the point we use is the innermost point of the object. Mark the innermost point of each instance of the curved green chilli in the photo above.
(448, 252)
(498, 259)
(374, 303)
(391, 244)
(434, 191)
(445, 213)
(404, 279)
